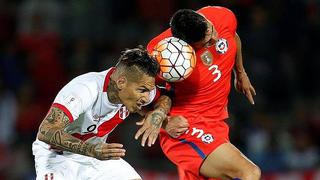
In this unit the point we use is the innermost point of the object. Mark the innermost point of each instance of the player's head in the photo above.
(193, 28)
(135, 77)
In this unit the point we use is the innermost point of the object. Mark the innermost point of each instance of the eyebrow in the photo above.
(145, 88)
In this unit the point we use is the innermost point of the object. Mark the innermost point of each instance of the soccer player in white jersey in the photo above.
(71, 141)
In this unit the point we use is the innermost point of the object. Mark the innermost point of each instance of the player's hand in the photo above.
(105, 151)
(151, 125)
(176, 126)
(243, 84)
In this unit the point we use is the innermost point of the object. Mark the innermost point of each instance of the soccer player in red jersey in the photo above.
(202, 149)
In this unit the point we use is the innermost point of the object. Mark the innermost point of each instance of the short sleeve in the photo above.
(232, 21)
(75, 98)
(223, 17)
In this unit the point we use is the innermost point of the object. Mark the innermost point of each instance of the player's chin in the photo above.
(133, 109)
(137, 108)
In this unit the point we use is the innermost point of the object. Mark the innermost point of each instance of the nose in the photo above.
(145, 97)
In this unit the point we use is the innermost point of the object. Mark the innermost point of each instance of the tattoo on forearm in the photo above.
(156, 119)
(164, 104)
(52, 132)
(56, 138)
(162, 110)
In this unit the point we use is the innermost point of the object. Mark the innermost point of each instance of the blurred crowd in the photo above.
(46, 43)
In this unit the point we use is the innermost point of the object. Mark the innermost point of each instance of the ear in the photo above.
(121, 82)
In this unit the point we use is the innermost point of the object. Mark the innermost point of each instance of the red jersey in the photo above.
(205, 92)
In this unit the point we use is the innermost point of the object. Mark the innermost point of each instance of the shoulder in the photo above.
(218, 13)
(215, 9)
(222, 17)
(80, 93)
(86, 86)
(93, 81)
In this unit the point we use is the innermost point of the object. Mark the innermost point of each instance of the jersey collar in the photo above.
(107, 79)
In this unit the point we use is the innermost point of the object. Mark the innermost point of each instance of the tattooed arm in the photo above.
(163, 104)
(52, 131)
(153, 120)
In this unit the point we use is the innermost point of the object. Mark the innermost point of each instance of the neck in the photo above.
(113, 92)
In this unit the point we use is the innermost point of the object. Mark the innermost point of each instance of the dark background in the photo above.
(45, 43)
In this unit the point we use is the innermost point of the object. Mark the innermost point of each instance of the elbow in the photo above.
(43, 133)
(41, 137)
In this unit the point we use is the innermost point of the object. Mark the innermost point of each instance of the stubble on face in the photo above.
(130, 92)
(138, 91)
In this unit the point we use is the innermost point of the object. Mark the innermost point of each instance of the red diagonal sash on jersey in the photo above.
(103, 129)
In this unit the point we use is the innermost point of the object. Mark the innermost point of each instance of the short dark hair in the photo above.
(188, 25)
(138, 58)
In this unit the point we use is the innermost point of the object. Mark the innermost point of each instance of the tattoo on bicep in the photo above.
(57, 116)
(51, 116)
(52, 130)
(65, 120)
